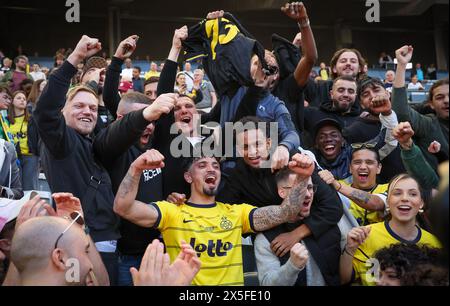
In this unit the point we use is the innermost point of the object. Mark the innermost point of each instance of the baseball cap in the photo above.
(94, 62)
(125, 86)
(326, 122)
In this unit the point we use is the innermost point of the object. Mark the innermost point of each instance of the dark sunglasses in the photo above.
(363, 145)
(76, 218)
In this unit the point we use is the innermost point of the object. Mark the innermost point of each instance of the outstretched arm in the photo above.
(362, 198)
(297, 12)
(267, 217)
(125, 203)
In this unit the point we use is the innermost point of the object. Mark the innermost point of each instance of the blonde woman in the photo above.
(404, 203)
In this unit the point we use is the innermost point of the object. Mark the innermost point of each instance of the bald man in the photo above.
(40, 262)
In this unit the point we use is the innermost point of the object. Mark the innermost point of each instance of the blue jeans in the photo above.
(29, 171)
(125, 263)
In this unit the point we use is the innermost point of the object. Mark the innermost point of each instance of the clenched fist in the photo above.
(162, 105)
(149, 160)
(404, 55)
(295, 11)
(302, 164)
(299, 255)
(381, 104)
(403, 132)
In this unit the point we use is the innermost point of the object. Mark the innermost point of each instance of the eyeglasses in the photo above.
(310, 188)
(363, 145)
(76, 217)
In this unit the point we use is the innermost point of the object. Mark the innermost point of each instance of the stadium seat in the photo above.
(418, 97)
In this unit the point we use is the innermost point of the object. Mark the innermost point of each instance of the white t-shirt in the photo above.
(127, 72)
(416, 86)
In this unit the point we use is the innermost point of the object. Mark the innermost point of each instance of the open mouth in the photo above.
(404, 208)
(363, 176)
(88, 120)
(329, 149)
(186, 119)
(306, 204)
(211, 180)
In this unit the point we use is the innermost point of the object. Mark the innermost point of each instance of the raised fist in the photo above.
(215, 14)
(403, 132)
(295, 11)
(162, 105)
(87, 47)
(302, 165)
(149, 160)
(179, 35)
(404, 54)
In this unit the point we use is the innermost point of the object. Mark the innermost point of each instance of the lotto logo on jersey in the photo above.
(212, 248)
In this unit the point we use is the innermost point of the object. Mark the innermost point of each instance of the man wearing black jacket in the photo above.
(134, 239)
(342, 108)
(250, 183)
(73, 160)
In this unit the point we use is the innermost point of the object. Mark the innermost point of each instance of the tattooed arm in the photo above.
(125, 204)
(362, 198)
(267, 217)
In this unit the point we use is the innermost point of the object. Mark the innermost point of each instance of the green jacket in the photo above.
(419, 168)
(427, 128)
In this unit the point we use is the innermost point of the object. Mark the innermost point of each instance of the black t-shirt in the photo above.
(135, 239)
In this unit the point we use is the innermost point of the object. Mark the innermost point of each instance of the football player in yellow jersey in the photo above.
(212, 228)
(404, 202)
(367, 198)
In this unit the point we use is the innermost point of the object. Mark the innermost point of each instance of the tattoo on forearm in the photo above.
(267, 217)
(129, 183)
(360, 196)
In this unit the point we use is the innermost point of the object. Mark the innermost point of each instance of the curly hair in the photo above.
(405, 259)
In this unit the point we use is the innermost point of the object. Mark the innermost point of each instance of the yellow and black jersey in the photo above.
(364, 216)
(381, 236)
(214, 231)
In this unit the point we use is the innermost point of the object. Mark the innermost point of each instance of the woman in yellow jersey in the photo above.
(404, 202)
(19, 120)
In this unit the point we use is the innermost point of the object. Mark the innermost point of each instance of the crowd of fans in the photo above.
(336, 177)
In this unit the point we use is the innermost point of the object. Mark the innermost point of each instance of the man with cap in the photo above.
(94, 76)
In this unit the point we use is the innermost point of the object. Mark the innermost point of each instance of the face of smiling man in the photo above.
(80, 111)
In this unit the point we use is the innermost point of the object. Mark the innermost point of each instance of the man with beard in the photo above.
(345, 62)
(13, 78)
(333, 150)
(212, 228)
(342, 109)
